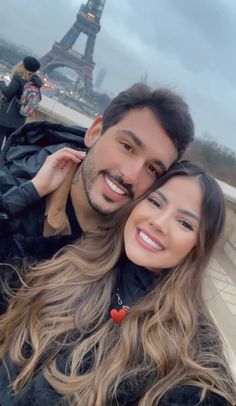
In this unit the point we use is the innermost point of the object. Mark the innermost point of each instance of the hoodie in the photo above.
(36, 81)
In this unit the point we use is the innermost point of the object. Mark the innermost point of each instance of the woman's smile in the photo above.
(148, 241)
(163, 229)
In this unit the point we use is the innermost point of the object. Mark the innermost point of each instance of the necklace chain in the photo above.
(119, 300)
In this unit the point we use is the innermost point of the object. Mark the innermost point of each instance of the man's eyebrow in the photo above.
(183, 211)
(134, 137)
(140, 144)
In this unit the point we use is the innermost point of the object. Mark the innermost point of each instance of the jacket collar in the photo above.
(56, 220)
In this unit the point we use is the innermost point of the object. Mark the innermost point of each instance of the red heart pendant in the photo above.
(118, 315)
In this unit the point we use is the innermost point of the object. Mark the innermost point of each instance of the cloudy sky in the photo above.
(186, 45)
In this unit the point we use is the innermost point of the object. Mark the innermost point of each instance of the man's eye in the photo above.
(186, 225)
(153, 201)
(126, 146)
(153, 170)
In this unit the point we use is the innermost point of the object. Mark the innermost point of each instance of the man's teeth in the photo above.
(149, 241)
(114, 187)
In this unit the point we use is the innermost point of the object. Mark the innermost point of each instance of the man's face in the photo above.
(125, 160)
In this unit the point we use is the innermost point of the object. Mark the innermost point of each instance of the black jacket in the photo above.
(20, 250)
(133, 282)
(21, 209)
(22, 213)
(9, 112)
(10, 116)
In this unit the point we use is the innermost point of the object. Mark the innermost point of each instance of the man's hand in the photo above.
(55, 169)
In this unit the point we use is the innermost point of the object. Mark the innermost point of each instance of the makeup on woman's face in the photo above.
(164, 227)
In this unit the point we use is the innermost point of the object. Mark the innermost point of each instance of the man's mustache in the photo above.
(127, 186)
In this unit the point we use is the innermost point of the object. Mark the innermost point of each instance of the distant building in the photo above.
(100, 78)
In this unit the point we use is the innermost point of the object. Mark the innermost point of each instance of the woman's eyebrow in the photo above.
(190, 214)
(163, 196)
(183, 211)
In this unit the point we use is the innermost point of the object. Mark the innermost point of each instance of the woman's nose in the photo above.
(160, 222)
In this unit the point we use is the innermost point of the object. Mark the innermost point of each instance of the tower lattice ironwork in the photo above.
(62, 53)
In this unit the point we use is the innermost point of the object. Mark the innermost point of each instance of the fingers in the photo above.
(73, 153)
(70, 151)
(66, 155)
(65, 163)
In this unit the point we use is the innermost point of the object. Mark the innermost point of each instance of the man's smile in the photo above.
(113, 186)
(112, 190)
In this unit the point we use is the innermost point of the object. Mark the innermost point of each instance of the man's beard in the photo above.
(89, 175)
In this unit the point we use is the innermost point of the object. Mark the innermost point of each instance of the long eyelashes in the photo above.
(184, 223)
(154, 201)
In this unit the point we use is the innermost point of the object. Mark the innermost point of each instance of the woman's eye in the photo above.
(154, 201)
(185, 224)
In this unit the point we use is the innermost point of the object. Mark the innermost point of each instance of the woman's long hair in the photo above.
(20, 70)
(167, 338)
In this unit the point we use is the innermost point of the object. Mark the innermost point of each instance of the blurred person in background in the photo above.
(10, 115)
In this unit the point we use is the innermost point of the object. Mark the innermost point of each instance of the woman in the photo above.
(10, 117)
(89, 332)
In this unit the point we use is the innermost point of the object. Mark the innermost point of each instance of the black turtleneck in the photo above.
(133, 282)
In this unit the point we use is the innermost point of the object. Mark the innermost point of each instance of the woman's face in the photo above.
(164, 227)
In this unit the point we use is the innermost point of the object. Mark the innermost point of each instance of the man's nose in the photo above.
(132, 171)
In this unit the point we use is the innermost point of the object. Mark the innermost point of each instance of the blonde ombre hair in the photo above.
(20, 70)
(167, 338)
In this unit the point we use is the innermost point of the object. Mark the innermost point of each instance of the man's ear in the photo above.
(93, 132)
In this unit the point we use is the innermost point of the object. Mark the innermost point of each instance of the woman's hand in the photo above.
(55, 169)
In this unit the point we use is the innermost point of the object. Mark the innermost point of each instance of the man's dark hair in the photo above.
(168, 107)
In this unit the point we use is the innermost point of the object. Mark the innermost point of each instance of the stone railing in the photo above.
(229, 245)
(52, 110)
(221, 281)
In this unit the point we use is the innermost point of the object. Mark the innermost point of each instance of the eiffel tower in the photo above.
(62, 53)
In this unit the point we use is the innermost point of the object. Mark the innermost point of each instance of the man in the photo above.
(141, 133)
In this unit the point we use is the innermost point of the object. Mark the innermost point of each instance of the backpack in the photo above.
(30, 99)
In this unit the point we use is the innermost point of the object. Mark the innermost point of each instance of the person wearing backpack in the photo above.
(13, 110)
